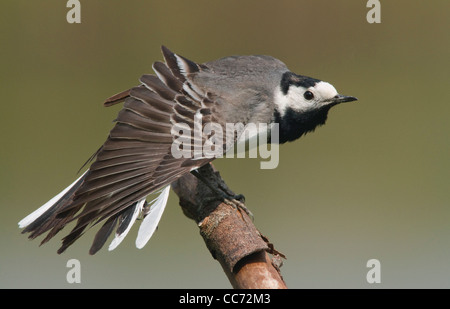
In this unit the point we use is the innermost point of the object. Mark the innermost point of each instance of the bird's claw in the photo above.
(236, 203)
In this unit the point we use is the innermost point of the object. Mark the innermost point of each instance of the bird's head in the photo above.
(302, 103)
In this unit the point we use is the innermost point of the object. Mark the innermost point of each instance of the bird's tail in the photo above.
(46, 218)
(53, 216)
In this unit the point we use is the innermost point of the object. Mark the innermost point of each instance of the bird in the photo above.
(136, 160)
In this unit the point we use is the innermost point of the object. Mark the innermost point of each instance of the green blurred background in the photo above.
(372, 183)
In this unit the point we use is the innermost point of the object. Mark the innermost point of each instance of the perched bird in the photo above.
(136, 160)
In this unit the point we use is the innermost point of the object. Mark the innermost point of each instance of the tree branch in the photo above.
(229, 233)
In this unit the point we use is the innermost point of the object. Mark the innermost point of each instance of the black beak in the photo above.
(343, 98)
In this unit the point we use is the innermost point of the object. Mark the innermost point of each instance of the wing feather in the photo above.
(135, 160)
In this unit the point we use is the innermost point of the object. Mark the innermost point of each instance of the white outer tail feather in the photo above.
(150, 222)
(146, 230)
(119, 237)
(38, 212)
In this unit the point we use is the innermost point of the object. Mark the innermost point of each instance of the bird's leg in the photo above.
(215, 185)
(235, 200)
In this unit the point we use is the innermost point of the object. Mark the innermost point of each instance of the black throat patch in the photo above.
(294, 124)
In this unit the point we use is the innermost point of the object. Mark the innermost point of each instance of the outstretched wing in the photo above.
(136, 160)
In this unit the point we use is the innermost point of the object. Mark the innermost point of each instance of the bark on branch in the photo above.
(229, 233)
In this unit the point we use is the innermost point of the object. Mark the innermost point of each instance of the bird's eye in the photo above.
(308, 95)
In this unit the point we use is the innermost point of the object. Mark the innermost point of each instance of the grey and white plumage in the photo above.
(136, 160)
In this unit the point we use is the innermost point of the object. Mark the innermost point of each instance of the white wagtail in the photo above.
(136, 159)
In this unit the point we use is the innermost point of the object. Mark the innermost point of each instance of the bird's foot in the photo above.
(237, 202)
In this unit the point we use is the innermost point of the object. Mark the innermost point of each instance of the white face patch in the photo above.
(323, 92)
